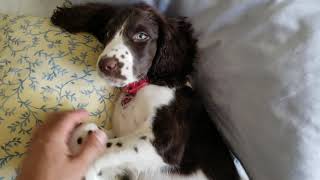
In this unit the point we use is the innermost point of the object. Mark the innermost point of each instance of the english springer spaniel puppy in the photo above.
(158, 125)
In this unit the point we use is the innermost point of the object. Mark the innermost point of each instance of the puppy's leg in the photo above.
(134, 153)
(79, 136)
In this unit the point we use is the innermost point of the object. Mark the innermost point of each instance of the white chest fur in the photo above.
(141, 109)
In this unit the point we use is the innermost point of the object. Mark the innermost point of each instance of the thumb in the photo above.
(93, 147)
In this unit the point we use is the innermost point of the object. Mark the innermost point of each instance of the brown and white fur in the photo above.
(164, 129)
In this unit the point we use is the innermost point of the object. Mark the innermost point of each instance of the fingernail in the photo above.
(101, 136)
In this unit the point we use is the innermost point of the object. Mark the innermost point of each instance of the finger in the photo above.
(92, 148)
(63, 123)
(44, 131)
(53, 117)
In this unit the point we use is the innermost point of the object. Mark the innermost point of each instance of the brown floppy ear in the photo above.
(91, 18)
(176, 53)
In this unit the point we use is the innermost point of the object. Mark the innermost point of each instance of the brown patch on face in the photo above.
(143, 52)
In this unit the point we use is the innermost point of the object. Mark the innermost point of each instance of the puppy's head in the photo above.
(130, 46)
(139, 42)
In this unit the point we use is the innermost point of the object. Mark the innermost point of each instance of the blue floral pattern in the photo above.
(44, 69)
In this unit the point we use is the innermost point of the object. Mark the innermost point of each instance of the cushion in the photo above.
(44, 69)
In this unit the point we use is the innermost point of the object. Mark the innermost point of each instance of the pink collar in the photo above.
(131, 90)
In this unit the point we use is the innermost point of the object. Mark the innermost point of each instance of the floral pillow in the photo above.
(43, 69)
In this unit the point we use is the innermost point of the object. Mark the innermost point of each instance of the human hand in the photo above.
(49, 157)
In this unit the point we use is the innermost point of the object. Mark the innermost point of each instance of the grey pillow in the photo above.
(260, 65)
(162, 5)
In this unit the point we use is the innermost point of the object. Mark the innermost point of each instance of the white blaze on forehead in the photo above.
(118, 49)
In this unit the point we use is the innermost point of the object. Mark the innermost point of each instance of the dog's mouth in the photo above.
(113, 81)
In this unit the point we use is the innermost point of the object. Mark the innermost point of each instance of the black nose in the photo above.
(108, 65)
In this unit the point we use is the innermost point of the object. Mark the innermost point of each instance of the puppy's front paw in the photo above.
(79, 136)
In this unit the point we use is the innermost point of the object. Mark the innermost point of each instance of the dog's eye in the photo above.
(140, 37)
